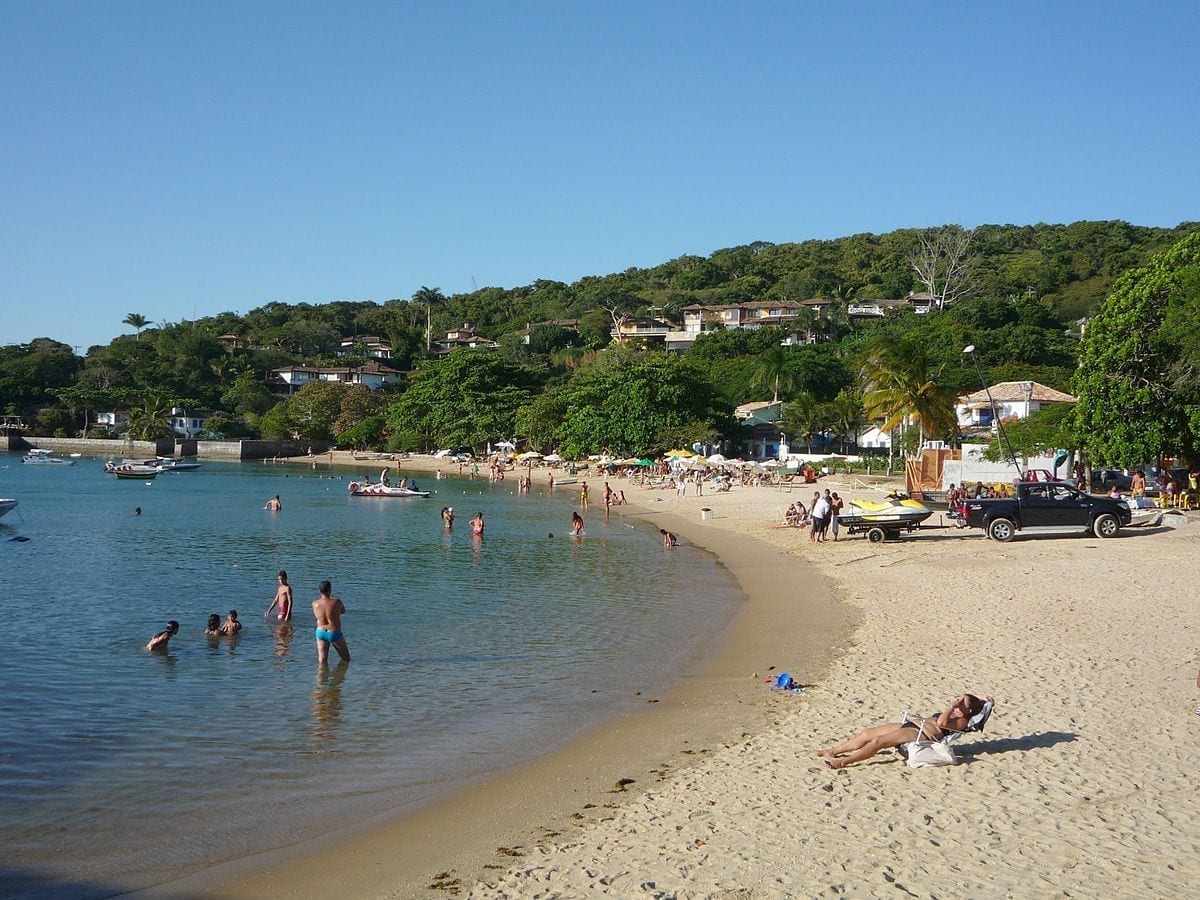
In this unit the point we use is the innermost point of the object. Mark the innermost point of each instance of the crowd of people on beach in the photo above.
(822, 518)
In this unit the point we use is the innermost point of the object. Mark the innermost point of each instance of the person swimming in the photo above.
(159, 641)
(214, 625)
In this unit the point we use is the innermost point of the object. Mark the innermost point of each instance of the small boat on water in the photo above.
(171, 464)
(364, 489)
(7, 505)
(131, 470)
(38, 457)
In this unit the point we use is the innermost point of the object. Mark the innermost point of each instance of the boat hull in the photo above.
(380, 490)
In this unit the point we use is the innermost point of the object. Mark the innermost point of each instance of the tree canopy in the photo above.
(1138, 395)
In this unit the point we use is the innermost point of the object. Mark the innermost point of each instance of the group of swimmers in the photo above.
(327, 610)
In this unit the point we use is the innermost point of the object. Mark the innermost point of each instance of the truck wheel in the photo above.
(1002, 530)
(1106, 526)
(876, 535)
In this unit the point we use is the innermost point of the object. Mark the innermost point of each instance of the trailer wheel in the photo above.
(876, 535)
(1106, 526)
(1002, 530)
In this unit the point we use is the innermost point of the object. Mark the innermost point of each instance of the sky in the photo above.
(180, 160)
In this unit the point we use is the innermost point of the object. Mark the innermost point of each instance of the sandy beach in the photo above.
(1078, 785)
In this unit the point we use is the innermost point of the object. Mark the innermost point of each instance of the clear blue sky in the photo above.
(181, 159)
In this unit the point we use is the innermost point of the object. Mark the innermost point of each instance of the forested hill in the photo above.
(1027, 287)
(1069, 268)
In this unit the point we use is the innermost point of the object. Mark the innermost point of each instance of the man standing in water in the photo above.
(274, 504)
(283, 599)
(328, 612)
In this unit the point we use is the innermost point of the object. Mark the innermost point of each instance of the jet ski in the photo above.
(894, 509)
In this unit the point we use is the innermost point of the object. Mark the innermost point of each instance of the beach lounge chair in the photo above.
(924, 752)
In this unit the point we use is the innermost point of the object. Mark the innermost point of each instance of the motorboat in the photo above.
(131, 470)
(380, 489)
(171, 464)
(7, 505)
(38, 457)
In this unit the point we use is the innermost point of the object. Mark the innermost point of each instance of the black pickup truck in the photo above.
(1045, 507)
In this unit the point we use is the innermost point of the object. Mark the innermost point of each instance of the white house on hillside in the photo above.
(290, 379)
(1016, 399)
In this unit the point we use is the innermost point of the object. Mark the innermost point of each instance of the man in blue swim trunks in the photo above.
(328, 611)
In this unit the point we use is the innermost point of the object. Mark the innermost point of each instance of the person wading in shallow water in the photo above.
(283, 599)
(328, 611)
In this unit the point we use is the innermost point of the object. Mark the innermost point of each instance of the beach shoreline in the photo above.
(1079, 786)
(790, 619)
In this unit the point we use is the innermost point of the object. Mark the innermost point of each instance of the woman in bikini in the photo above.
(870, 741)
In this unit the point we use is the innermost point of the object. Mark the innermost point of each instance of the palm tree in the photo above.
(846, 414)
(138, 321)
(899, 388)
(803, 417)
(430, 297)
(773, 372)
(149, 420)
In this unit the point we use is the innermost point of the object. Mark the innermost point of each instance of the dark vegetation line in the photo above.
(552, 375)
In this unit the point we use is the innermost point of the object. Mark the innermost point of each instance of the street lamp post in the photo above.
(969, 350)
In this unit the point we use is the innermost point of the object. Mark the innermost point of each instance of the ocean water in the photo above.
(120, 768)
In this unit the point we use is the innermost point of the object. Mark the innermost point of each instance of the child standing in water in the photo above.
(232, 625)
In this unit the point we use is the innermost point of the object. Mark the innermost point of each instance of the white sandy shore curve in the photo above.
(1080, 785)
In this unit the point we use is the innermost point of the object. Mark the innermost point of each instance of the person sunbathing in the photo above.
(870, 741)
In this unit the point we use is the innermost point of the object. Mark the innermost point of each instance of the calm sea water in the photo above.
(121, 768)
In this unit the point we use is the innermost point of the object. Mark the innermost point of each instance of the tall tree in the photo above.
(138, 321)
(943, 262)
(803, 417)
(1133, 406)
(775, 373)
(846, 415)
(901, 387)
(429, 298)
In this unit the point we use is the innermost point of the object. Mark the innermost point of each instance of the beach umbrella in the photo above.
(717, 459)
(553, 458)
(644, 463)
(680, 454)
(506, 445)
(532, 454)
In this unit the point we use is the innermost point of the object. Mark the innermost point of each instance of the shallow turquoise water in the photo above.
(119, 767)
